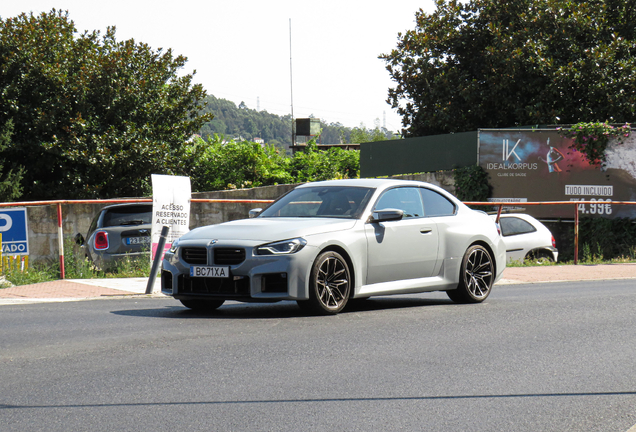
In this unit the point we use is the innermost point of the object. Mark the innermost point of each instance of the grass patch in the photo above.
(582, 261)
(34, 274)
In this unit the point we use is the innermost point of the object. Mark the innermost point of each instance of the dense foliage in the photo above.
(599, 239)
(92, 116)
(224, 165)
(609, 238)
(10, 174)
(591, 138)
(490, 63)
(471, 184)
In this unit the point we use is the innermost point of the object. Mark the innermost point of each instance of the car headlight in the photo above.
(281, 247)
(174, 246)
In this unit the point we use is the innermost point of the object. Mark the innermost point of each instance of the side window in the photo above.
(406, 199)
(436, 204)
(513, 226)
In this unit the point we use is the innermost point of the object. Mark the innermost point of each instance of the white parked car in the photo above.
(325, 243)
(526, 238)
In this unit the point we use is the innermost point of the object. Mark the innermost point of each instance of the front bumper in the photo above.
(259, 278)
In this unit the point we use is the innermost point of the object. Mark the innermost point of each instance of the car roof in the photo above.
(122, 205)
(370, 182)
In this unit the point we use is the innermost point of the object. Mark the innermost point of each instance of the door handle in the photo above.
(426, 230)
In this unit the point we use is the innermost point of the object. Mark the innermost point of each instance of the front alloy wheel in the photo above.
(329, 286)
(476, 277)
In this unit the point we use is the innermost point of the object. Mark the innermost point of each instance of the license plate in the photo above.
(137, 240)
(210, 271)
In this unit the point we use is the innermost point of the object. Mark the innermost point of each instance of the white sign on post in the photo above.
(170, 207)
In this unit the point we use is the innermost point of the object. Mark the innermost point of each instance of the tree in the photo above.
(224, 164)
(93, 116)
(312, 164)
(361, 134)
(220, 164)
(10, 176)
(492, 63)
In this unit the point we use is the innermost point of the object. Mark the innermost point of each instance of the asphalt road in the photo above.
(540, 357)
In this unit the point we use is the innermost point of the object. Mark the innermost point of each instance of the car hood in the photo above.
(269, 229)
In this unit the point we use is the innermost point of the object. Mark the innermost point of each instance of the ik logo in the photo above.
(506, 152)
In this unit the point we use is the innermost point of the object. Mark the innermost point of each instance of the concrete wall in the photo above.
(76, 218)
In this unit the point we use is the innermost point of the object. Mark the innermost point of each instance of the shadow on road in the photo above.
(283, 309)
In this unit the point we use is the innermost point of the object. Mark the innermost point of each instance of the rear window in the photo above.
(435, 204)
(513, 226)
(129, 215)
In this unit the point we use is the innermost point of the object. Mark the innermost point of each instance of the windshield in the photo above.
(327, 201)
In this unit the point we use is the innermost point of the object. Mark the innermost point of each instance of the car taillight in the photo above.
(553, 242)
(101, 240)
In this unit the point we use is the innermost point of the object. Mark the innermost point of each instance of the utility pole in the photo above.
(291, 86)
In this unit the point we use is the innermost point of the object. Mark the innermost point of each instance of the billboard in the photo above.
(538, 165)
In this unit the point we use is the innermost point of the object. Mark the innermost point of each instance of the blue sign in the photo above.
(13, 227)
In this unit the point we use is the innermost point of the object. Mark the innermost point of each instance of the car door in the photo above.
(517, 236)
(401, 249)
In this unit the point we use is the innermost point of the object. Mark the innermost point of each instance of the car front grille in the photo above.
(195, 255)
(226, 287)
(228, 256)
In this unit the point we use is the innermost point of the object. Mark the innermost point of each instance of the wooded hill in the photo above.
(243, 123)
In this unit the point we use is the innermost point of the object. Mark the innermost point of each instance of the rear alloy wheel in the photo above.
(329, 286)
(476, 277)
(202, 305)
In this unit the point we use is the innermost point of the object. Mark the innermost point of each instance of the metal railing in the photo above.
(576, 205)
(59, 203)
(499, 205)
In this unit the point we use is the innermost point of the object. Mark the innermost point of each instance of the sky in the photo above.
(322, 56)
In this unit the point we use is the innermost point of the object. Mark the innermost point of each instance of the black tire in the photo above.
(202, 305)
(477, 275)
(329, 285)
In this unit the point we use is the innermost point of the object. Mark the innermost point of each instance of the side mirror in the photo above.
(79, 239)
(386, 215)
(255, 212)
